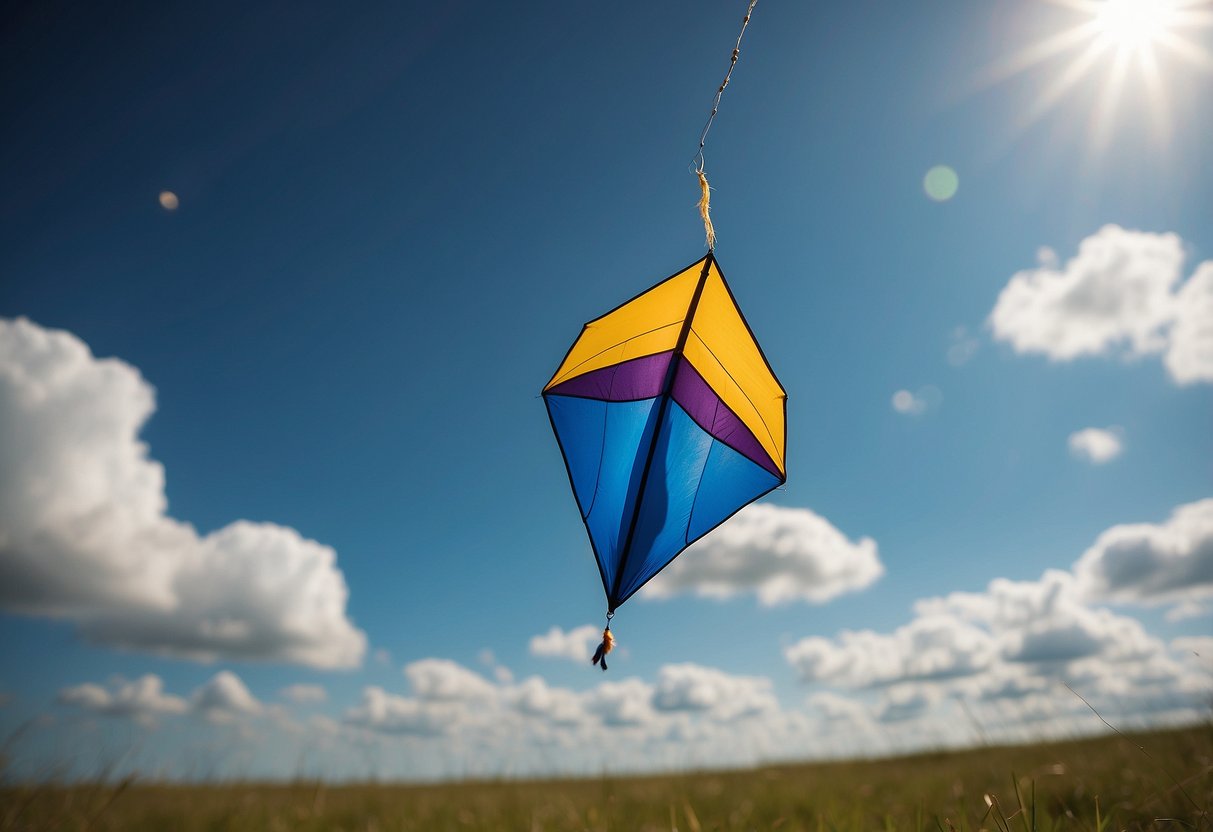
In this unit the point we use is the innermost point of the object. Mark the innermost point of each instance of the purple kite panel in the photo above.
(715, 417)
(640, 378)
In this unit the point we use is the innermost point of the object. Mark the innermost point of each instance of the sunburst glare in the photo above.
(1120, 39)
(1134, 25)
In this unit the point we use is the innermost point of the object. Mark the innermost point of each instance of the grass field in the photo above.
(1159, 780)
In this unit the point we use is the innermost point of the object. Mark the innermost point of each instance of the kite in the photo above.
(668, 415)
(670, 421)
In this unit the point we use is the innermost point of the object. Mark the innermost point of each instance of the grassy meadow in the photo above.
(1159, 780)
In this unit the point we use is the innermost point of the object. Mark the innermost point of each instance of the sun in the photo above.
(1119, 40)
(1134, 25)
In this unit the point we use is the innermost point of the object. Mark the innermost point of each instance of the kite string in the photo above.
(705, 197)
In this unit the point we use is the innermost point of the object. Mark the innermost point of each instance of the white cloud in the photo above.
(303, 694)
(1190, 356)
(906, 702)
(692, 687)
(84, 533)
(534, 697)
(1121, 295)
(142, 699)
(998, 658)
(930, 647)
(447, 698)
(685, 697)
(225, 698)
(445, 680)
(1145, 563)
(780, 554)
(1115, 294)
(1188, 609)
(576, 645)
(620, 704)
(835, 708)
(1199, 646)
(388, 713)
(1096, 445)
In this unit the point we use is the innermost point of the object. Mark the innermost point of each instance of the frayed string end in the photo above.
(607, 645)
(705, 208)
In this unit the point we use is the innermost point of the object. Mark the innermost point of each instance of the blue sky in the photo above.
(391, 224)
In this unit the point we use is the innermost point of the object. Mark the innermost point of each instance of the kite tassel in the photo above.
(705, 208)
(607, 645)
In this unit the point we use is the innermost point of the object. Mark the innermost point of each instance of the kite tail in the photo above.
(705, 208)
(607, 645)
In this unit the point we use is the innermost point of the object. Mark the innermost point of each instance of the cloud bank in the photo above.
(85, 534)
(1006, 651)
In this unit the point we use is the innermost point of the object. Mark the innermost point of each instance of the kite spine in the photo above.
(666, 387)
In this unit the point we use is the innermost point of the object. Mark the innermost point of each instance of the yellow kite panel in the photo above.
(724, 352)
(646, 325)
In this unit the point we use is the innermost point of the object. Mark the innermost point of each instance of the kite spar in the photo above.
(668, 415)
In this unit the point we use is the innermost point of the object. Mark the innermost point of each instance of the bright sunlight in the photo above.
(1134, 24)
(1118, 41)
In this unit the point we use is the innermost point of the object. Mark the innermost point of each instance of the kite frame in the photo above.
(665, 395)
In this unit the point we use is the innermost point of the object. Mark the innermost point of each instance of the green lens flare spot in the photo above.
(941, 183)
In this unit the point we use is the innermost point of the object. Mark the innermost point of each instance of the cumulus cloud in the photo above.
(85, 535)
(779, 554)
(1188, 609)
(930, 647)
(621, 704)
(1121, 295)
(692, 687)
(1096, 445)
(302, 694)
(835, 708)
(1004, 652)
(143, 699)
(1189, 358)
(446, 681)
(1199, 646)
(906, 702)
(225, 698)
(576, 645)
(221, 699)
(1146, 563)
(446, 697)
(685, 699)
(389, 713)
(534, 697)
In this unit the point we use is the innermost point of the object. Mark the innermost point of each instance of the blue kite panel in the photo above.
(696, 482)
(730, 481)
(604, 446)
